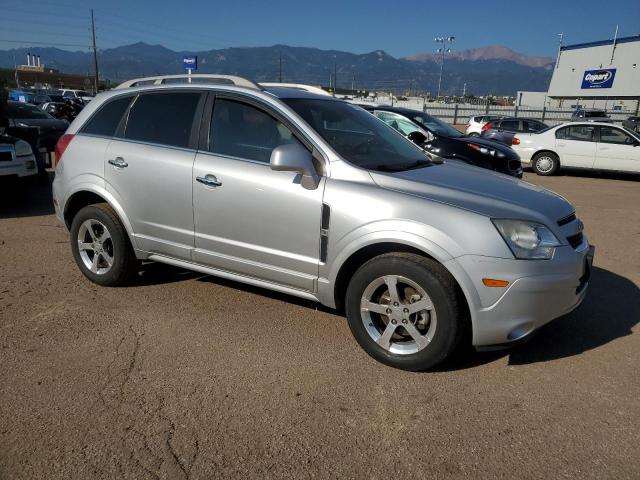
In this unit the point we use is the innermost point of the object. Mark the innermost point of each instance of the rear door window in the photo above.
(163, 118)
(583, 133)
(106, 120)
(510, 125)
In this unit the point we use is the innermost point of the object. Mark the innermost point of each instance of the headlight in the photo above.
(527, 240)
(22, 148)
(486, 150)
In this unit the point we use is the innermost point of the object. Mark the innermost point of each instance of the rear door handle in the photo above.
(209, 180)
(118, 162)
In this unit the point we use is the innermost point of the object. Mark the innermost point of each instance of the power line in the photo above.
(49, 44)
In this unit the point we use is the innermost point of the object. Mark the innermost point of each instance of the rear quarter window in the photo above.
(105, 121)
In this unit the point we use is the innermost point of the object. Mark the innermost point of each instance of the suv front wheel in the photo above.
(101, 247)
(403, 310)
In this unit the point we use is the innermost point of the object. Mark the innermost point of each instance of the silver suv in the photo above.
(312, 196)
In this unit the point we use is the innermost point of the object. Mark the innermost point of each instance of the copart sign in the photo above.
(598, 78)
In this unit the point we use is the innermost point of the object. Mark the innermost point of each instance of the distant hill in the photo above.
(493, 70)
(492, 52)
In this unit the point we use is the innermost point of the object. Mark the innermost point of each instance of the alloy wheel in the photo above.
(95, 246)
(398, 314)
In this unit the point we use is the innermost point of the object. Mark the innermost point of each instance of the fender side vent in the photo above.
(324, 232)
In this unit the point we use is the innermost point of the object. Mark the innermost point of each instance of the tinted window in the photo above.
(594, 114)
(576, 132)
(164, 118)
(364, 141)
(510, 125)
(615, 135)
(435, 125)
(69, 95)
(243, 131)
(106, 120)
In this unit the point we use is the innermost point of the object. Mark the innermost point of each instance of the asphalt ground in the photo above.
(188, 376)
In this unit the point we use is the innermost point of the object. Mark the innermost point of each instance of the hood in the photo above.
(479, 190)
(45, 123)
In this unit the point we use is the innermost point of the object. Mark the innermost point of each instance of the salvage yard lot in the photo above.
(187, 376)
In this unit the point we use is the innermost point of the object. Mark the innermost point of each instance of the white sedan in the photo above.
(595, 145)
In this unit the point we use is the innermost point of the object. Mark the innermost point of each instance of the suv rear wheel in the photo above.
(101, 247)
(403, 310)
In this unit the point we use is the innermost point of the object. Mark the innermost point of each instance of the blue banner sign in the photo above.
(598, 78)
(190, 62)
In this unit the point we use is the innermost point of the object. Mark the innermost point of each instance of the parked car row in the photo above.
(592, 145)
(309, 195)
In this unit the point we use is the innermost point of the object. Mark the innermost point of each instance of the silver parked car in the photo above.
(312, 196)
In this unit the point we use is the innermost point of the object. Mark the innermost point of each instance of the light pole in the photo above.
(442, 51)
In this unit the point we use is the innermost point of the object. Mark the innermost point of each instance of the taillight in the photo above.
(486, 126)
(515, 141)
(61, 146)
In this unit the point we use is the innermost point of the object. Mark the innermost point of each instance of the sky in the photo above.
(399, 27)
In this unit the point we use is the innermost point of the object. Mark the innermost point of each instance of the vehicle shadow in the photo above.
(588, 173)
(610, 310)
(26, 197)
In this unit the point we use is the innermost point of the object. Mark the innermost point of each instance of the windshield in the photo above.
(594, 114)
(435, 125)
(24, 110)
(359, 137)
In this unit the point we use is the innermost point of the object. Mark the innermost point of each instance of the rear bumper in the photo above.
(549, 290)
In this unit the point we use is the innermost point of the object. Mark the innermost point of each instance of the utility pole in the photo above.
(442, 51)
(95, 52)
(335, 75)
(280, 77)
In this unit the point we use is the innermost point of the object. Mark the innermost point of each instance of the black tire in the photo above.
(537, 163)
(124, 265)
(474, 134)
(437, 283)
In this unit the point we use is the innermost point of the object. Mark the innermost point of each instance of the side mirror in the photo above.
(293, 157)
(417, 137)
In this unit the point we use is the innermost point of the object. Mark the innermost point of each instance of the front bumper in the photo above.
(538, 292)
(22, 166)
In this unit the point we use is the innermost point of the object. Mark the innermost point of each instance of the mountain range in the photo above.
(495, 70)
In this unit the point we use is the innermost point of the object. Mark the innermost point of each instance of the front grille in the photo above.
(575, 240)
(5, 157)
(566, 220)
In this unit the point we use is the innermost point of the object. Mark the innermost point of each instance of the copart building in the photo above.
(604, 74)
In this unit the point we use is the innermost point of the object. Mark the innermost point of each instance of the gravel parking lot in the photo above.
(189, 376)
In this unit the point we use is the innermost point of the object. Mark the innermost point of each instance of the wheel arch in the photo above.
(365, 253)
(545, 150)
(88, 195)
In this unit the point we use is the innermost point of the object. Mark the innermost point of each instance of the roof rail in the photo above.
(199, 78)
(296, 86)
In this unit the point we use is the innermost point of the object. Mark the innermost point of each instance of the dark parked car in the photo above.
(590, 115)
(632, 123)
(26, 117)
(443, 140)
(503, 130)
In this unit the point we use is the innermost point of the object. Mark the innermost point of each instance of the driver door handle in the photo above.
(209, 180)
(118, 162)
